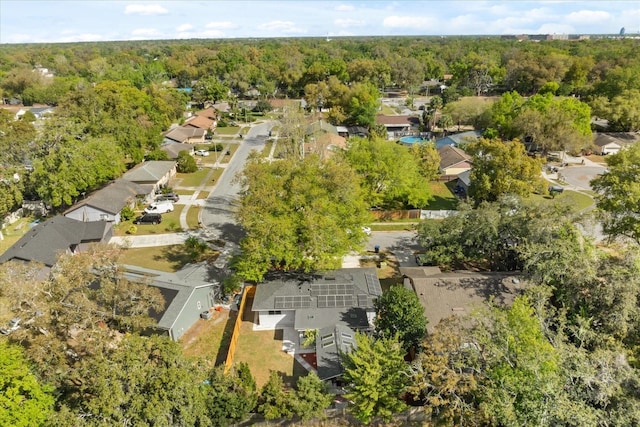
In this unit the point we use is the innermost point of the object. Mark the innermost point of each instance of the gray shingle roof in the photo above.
(151, 171)
(181, 134)
(113, 197)
(44, 242)
(322, 299)
(451, 156)
(457, 138)
(330, 343)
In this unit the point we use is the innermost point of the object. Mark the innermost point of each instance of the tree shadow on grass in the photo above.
(176, 256)
(225, 343)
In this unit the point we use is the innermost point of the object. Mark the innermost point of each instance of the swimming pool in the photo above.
(409, 140)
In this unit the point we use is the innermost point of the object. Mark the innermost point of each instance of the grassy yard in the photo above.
(192, 217)
(387, 110)
(267, 149)
(184, 192)
(206, 339)
(170, 224)
(190, 179)
(226, 131)
(202, 195)
(577, 200)
(164, 258)
(262, 350)
(394, 226)
(12, 233)
(443, 197)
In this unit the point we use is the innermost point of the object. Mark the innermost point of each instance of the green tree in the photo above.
(362, 105)
(522, 375)
(469, 111)
(298, 215)
(503, 113)
(311, 397)
(376, 375)
(186, 163)
(428, 158)
(399, 313)
(618, 192)
(391, 175)
(230, 397)
(501, 168)
(210, 89)
(274, 401)
(24, 401)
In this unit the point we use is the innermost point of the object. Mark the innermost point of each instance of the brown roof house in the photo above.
(607, 144)
(457, 293)
(398, 126)
(453, 161)
(200, 122)
(186, 135)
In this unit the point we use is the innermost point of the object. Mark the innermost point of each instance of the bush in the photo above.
(132, 230)
(127, 213)
(186, 163)
(231, 284)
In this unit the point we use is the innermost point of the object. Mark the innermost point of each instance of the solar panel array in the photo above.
(335, 301)
(292, 302)
(373, 284)
(363, 300)
(332, 289)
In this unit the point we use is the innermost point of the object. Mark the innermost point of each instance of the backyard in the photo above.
(164, 258)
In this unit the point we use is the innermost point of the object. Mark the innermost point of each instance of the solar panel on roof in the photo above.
(373, 284)
(335, 301)
(292, 302)
(331, 289)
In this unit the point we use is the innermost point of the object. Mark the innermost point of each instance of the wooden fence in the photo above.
(400, 214)
(249, 291)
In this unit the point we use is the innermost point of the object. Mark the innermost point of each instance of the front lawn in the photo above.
(170, 224)
(164, 258)
(13, 232)
(577, 200)
(191, 179)
(192, 217)
(443, 197)
(228, 130)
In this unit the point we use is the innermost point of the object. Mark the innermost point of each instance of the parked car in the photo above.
(160, 207)
(203, 153)
(173, 197)
(148, 218)
(367, 230)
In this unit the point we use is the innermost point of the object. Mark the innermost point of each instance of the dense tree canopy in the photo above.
(299, 215)
(399, 313)
(619, 192)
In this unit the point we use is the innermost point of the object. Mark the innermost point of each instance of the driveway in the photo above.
(401, 243)
(579, 176)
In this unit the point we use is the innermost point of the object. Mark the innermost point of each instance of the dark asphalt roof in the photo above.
(330, 343)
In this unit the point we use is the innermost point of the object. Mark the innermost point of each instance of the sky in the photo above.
(49, 21)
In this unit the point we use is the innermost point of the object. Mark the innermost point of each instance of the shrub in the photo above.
(127, 213)
(186, 163)
(132, 230)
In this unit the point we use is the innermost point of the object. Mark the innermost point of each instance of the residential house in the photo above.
(187, 294)
(464, 182)
(457, 138)
(280, 105)
(606, 144)
(331, 343)
(107, 203)
(153, 174)
(58, 235)
(200, 122)
(456, 293)
(325, 145)
(453, 160)
(185, 135)
(315, 301)
(398, 126)
(173, 149)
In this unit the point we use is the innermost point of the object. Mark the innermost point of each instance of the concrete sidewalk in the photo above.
(150, 240)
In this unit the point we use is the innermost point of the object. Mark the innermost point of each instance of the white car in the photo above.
(160, 207)
(367, 230)
(203, 153)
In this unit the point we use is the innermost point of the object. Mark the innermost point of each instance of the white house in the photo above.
(606, 144)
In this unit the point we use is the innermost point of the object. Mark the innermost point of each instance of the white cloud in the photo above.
(184, 27)
(287, 27)
(84, 37)
(415, 22)
(556, 28)
(348, 23)
(206, 34)
(145, 32)
(145, 9)
(588, 16)
(221, 25)
(345, 8)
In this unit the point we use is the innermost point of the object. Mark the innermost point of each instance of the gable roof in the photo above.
(397, 120)
(339, 296)
(174, 148)
(457, 138)
(602, 139)
(199, 122)
(181, 134)
(321, 126)
(46, 240)
(176, 288)
(455, 293)
(210, 113)
(150, 171)
(451, 156)
(465, 177)
(112, 198)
